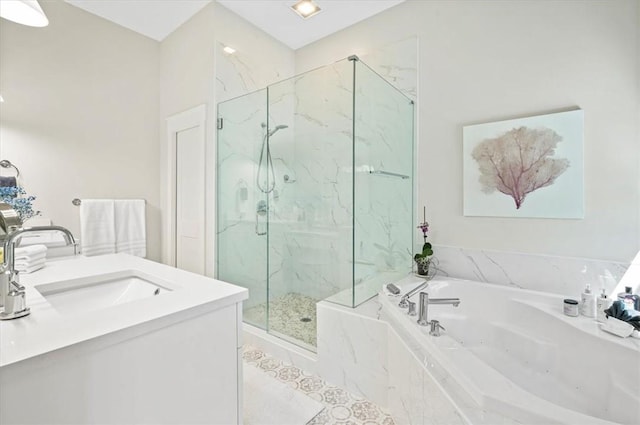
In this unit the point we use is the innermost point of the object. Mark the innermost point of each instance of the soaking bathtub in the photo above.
(514, 352)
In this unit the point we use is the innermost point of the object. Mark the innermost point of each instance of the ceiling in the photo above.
(154, 18)
(159, 18)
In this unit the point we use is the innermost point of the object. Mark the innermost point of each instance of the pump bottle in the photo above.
(588, 302)
(602, 303)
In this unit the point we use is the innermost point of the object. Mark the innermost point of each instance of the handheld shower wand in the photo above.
(268, 163)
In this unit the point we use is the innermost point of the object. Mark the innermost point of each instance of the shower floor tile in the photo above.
(340, 406)
(291, 316)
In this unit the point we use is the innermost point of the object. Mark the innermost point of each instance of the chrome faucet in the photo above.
(12, 294)
(424, 306)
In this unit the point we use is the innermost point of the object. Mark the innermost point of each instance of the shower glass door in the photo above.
(241, 206)
(310, 208)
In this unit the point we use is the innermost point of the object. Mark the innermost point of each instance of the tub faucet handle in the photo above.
(412, 308)
(435, 328)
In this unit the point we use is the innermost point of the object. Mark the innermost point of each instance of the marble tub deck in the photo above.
(340, 406)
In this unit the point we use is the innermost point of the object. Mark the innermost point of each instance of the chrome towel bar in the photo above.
(389, 174)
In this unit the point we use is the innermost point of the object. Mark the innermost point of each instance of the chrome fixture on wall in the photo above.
(267, 161)
(261, 211)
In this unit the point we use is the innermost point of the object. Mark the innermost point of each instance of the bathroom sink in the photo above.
(101, 291)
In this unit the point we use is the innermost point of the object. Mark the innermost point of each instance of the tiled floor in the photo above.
(341, 407)
(292, 315)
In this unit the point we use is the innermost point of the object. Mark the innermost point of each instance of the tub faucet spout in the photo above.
(424, 306)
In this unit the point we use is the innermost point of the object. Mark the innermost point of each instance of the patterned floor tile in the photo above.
(341, 407)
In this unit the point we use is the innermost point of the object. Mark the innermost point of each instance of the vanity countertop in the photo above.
(46, 329)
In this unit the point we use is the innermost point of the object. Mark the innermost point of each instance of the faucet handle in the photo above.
(16, 285)
(412, 308)
(435, 328)
(15, 302)
(15, 306)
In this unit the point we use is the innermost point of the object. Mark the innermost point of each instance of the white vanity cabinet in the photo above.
(168, 359)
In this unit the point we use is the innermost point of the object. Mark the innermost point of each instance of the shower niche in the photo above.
(314, 194)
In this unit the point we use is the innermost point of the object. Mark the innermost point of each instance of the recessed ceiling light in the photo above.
(306, 8)
(229, 50)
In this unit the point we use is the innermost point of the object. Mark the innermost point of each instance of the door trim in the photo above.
(194, 117)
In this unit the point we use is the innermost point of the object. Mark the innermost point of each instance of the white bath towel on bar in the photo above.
(97, 227)
(130, 227)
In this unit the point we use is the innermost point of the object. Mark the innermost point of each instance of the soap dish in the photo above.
(617, 327)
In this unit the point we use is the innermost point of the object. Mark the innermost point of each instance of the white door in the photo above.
(190, 198)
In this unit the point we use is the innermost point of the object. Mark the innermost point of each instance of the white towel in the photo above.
(31, 268)
(32, 252)
(130, 226)
(30, 258)
(23, 264)
(97, 227)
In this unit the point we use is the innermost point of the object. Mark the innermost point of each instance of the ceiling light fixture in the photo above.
(229, 50)
(25, 12)
(306, 8)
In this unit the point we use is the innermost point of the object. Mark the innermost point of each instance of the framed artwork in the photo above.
(526, 167)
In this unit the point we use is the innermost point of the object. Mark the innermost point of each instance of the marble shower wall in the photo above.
(241, 73)
(329, 191)
(323, 152)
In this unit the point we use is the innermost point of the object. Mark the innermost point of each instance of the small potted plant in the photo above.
(423, 259)
(13, 196)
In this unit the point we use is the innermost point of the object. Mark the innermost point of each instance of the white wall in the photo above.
(80, 117)
(482, 61)
(188, 74)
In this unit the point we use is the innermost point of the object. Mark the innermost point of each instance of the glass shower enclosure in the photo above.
(314, 194)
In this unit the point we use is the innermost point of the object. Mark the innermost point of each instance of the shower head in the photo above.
(278, 127)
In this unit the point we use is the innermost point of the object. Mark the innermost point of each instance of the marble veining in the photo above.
(558, 275)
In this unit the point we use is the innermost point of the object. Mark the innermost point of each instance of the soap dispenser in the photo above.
(602, 303)
(588, 302)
